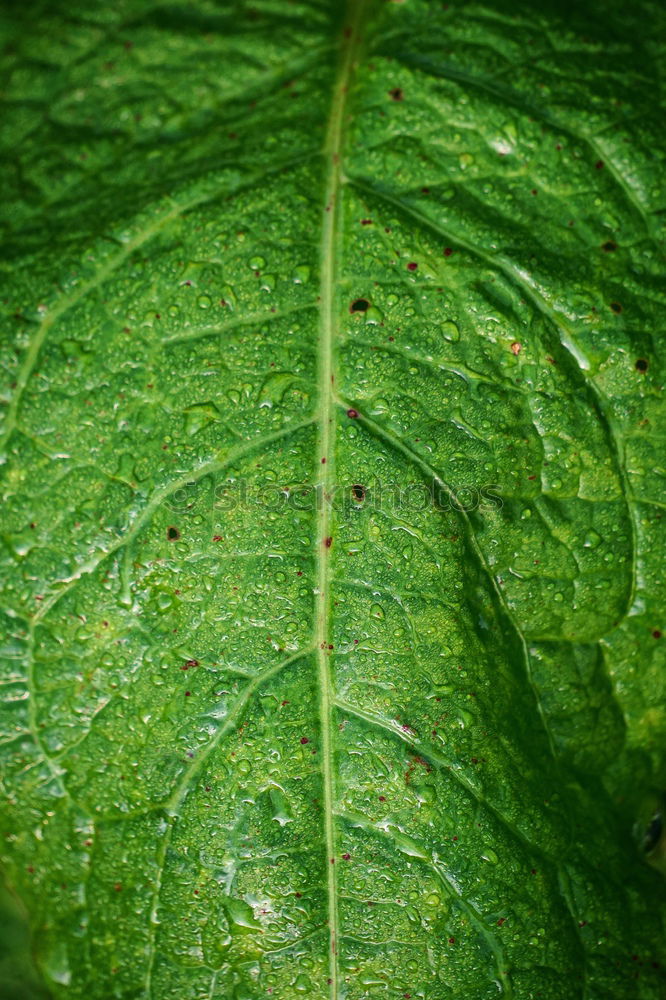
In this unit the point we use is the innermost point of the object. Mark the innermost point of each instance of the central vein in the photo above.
(325, 458)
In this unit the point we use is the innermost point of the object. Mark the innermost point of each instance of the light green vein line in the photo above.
(522, 280)
(184, 786)
(384, 434)
(237, 322)
(207, 468)
(450, 766)
(330, 238)
(65, 303)
(420, 852)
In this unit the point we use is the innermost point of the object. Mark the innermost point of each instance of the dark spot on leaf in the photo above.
(412, 266)
(359, 306)
(616, 307)
(173, 533)
(599, 164)
(304, 740)
(396, 94)
(346, 857)
(609, 246)
(328, 542)
(358, 493)
(641, 365)
(447, 251)
(656, 634)
(352, 413)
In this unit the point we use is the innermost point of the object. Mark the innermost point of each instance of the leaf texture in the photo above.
(332, 490)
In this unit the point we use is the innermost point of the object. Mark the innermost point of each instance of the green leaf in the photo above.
(332, 489)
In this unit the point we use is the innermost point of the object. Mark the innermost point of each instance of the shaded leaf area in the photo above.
(370, 722)
(18, 980)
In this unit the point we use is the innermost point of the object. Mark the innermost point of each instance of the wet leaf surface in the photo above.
(332, 490)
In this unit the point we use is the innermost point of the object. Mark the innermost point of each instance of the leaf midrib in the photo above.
(325, 453)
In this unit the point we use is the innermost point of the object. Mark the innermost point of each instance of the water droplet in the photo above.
(407, 845)
(199, 416)
(56, 964)
(373, 316)
(228, 297)
(239, 914)
(450, 331)
(301, 274)
(281, 811)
